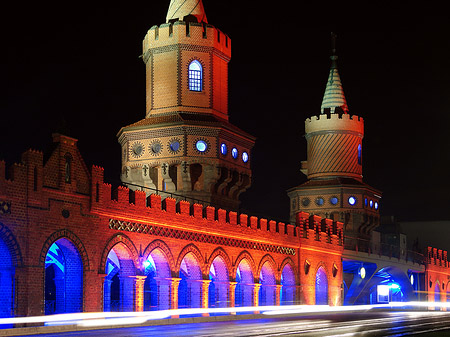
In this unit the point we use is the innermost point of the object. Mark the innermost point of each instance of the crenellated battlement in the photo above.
(313, 228)
(437, 257)
(187, 33)
(335, 122)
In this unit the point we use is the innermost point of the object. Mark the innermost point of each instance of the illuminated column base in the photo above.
(205, 295)
(175, 282)
(232, 296)
(278, 288)
(139, 293)
(256, 288)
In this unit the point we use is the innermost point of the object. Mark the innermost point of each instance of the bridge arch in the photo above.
(267, 279)
(190, 269)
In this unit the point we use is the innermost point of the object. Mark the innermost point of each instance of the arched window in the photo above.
(359, 154)
(195, 76)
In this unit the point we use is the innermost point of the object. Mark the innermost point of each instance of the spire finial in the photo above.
(334, 98)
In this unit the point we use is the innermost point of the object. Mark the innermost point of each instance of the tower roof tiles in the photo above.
(179, 9)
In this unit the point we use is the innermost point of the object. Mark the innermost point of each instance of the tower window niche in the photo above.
(68, 168)
(195, 76)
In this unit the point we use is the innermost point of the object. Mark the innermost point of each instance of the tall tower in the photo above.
(335, 186)
(185, 144)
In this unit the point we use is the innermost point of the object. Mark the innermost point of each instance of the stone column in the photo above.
(278, 288)
(205, 295)
(139, 292)
(232, 296)
(174, 283)
(256, 288)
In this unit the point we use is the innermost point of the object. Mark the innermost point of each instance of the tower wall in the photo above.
(168, 50)
(334, 146)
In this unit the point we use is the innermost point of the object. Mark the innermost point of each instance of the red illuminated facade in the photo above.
(71, 242)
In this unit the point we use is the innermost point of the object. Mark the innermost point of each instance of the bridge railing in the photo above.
(382, 249)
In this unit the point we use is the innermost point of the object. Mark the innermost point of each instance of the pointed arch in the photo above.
(13, 246)
(219, 252)
(159, 244)
(269, 259)
(66, 234)
(116, 239)
(244, 255)
(191, 248)
(290, 262)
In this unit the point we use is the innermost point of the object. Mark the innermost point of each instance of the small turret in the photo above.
(186, 10)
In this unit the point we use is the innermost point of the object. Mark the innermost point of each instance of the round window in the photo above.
(319, 201)
(305, 202)
(155, 147)
(137, 149)
(376, 205)
(234, 153)
(366, 202)
(244, 157)
(352, 200)
(334, 200)
(371, 203)
(223, 149)
(201, 146)
(174, 145)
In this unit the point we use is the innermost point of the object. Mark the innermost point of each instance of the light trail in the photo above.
(99, 319)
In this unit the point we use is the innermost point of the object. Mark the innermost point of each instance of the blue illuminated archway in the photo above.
(287, 285)
(6, 281)
(321, 287)
(218, 287)
(63, 278)
(157, 283)
(268, 285)
(118, 288)
(244, 284)
(190, 286)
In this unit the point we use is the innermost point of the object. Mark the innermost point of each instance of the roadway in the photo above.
(342, 324)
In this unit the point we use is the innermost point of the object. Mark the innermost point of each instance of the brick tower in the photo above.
(335, 187)
(185, 145)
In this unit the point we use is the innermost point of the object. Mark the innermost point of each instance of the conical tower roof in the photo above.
(179, 9)
(334, 93)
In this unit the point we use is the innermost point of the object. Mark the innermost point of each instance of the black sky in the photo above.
(79, 66)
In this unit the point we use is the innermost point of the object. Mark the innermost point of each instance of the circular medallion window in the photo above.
(334, 200)
(234, 153)
(371, 203)
(244, 157)
(352, 200)
(137, 150)
(319, 201)
(305, 202)
(376, 205)
(201, 146)
(174, 145)
(155, 147)
(223, 149)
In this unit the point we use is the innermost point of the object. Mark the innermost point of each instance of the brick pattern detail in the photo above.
(196, 237)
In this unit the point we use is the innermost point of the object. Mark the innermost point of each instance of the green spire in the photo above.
(180, 9)
(334, 93)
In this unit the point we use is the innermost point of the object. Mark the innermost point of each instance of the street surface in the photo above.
(371, 323)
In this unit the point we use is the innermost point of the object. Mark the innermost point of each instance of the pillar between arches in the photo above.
(232, 296)
(139, 281)
(93, 292)
(256, 288)
(205, 295)
(174, 283)
(278, 288)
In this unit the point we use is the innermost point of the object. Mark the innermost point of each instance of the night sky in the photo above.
(77, 68)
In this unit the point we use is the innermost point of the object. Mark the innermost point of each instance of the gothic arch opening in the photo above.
(321, 287)
(219, 285)
(119, 285)
(268, 285)
(244, 284)
(157, 282)
(7, 271)
(287, 286)
(190, 287)
(63, 285)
